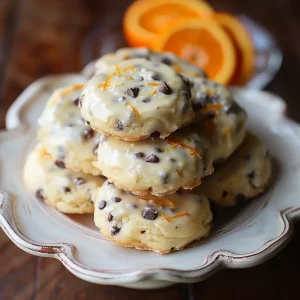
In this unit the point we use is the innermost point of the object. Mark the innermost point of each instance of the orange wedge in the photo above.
(204, 43)
(144, 19)
(243, 46)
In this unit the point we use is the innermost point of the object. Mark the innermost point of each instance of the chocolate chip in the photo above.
(95, 149)
(251, 175)
(40, 194)
(102, 204)
(186, 81)
(172, 249)
(213, 207)
(117, 199)
(79, 180)
(247, 156)
(81, 100)
(119, 126)
(75, 101)
(122, 98)
(132, 92)
(155, 134)
(134, 206)
(87, 122)
(147, 100)
(155, 76)
(67, 189)
(143, 231)
(159, 150)
(152, 159)
(172, 159)
(165, 177)
(139, 154)
(224, 194)
(267, 154)
(165, 89)
(60, 164)
(110, 217)
(211, 115)
(115, 230)
(240, 198)
(88, 133)
(166, 61)
(150, 214)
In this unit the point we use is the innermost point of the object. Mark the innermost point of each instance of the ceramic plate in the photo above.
(245, 237)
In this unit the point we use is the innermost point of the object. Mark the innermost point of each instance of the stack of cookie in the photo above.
(165, 137)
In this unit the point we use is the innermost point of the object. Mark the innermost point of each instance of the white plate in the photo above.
(251, 236)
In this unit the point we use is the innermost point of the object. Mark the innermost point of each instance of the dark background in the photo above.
(39, 37)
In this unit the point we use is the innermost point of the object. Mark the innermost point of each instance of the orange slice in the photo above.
(144, 19)
(203, 43)
(243, 47)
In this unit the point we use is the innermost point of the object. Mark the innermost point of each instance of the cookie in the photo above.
(137, 99)
(244, 175)
(65, 134)
(160, 224)
(169, 59)
(156, 167)
(220, 118)
(70, 192)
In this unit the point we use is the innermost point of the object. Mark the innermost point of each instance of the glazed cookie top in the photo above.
(156, 166)
(169, 59)
(136, 99)
(220, 118)
(176, 215)
(62, 126)
(52, 182)
(244, 175)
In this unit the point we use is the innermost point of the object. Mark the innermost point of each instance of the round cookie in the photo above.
(64, 133)
(244, 175)
(137, 99)
(156, 167)
(160, 224)
(180, 66)
(221, 119)
(69, 192)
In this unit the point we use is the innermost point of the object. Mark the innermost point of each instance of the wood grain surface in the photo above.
(40, 37)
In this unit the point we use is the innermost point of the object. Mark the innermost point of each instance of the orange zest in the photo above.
(130, 68)
(154, 93)
(212, 108)
(106, 83)
(226, 132)
(44, 153)
(192, 150)
(153, 84)
(68, 91)
(161, 201)
(134, 110)
(118, 70)
(203, 43)
(168, 219)
(145, 19)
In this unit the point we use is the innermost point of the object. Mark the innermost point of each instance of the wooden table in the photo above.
(40, 37)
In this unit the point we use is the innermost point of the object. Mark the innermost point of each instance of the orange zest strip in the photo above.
(44, 153)
(134, 110)
(168, 219)
(193, 151)
(153, 84)
(212, 107)
(161, 201)
(118, 70)
(106, 83)
(226, 132)
(130, 68)
(68, 91)
(154, 93)
(177, 67)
